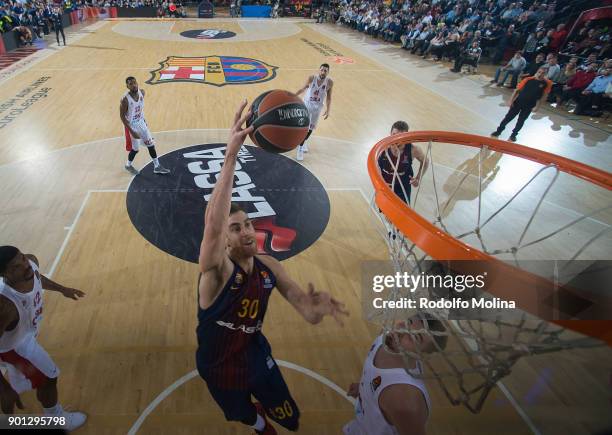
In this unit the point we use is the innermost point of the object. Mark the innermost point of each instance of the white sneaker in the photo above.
(161, 170)
(74, 420)
(300, 153)
(132, 170)
(305, 147)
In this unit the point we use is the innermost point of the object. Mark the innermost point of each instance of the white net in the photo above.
(508, 207)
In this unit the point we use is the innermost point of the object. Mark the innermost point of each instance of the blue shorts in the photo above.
(269, 388)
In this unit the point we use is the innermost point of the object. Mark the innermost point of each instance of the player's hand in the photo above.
(326, 114)
(414, 181)
(72, 293)
(8, 399)
(237, 133)
(135, 135)
(322, 304)
(353, 390)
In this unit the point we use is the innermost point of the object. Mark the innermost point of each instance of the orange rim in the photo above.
(442, 246)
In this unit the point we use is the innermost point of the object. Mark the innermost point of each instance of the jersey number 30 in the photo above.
(250, 307)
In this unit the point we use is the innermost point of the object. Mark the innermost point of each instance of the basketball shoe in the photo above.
(268, 428)
(161, 170)
(74, 420)
(132, 170)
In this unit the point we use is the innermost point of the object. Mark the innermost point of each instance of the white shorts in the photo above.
(314, 112)
(352, 428)
(28, 366)
(145, 136)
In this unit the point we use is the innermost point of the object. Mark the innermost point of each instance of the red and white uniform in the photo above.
(28, 364)
(135, 117)
(369, 420)
(314, 99)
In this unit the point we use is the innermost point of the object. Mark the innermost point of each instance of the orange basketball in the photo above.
(280, 121)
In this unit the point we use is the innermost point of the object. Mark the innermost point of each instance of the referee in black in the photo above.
(526, 98)
(56, 17)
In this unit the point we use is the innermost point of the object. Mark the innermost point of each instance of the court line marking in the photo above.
(72, 226)
(169, 390)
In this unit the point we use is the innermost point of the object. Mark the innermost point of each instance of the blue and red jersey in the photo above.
(229, 331)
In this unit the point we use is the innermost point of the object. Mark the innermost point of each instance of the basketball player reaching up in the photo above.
(318, 92)
(390, 400)
(131, 112)
(28, 365)
(233, 356)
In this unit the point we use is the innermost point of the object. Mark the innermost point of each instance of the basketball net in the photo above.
(480, 352)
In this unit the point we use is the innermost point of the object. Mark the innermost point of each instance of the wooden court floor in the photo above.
(132, 338)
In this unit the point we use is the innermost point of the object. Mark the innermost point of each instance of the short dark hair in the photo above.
(326, 65)
(400, 125)
(7, 253)
(433, 324)
(235, 208)
(129, 78)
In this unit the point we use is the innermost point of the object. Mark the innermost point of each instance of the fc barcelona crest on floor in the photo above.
(212, 70)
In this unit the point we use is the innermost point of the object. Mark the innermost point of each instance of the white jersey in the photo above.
(29, 306)
(135, 112)
(316, 93)
(369, 420)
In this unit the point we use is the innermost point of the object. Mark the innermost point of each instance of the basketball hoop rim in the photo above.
(440, 245)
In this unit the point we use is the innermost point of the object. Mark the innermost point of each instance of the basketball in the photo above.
(280, 121)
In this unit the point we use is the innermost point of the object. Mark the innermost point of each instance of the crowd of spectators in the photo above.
(518, 36)
(31, 19)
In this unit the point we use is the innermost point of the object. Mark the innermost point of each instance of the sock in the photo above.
(156, 162)
(54, 410)
(128, 163)
(260, 424)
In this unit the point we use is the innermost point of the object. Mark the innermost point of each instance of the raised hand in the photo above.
(322, 304)
(237, 133)
(72, 293)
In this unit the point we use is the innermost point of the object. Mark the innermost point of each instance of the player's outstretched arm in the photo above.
(303, 88)
(47, 284)
(312, 305)
(404, 407)
(212, 249)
